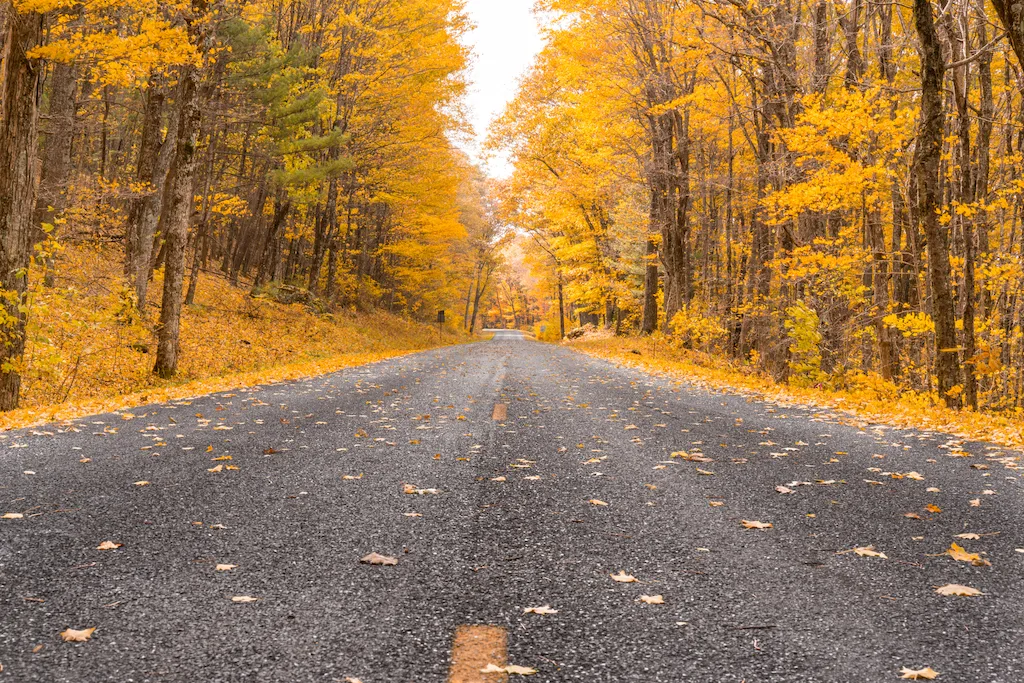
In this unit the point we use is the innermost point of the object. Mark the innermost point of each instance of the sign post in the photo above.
(440, 326)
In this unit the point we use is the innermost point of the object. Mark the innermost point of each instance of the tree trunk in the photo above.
(149, 152)
(18, 120)
(561, 308)
(929, 156)
(178, 211)
(650, 319)
(56, 166)
(150, 213)
(1011, 14)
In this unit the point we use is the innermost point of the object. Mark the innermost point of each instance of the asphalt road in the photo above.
(789, 603)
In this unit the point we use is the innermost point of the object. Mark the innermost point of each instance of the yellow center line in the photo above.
(473, 649)
(500, 413)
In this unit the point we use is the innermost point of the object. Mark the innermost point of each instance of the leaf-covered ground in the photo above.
(89, 352)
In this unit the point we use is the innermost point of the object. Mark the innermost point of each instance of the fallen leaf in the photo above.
(108, 545)
(413, 491)
(411, 514)
(932, 508)
(378, 559)
(933, 489)
(912, 515)
(225, 567)
(142, 483)
(706, 473)
(12, 515)
(350, 679)
(543, 609)
(976, 503)
(925, 674)
(748, 524)
(957, 589)
(914, 475)
(623, 577)
(498, 479)
(783, 489)
(969, 537)
(218, 468)
(715, 503)
(349, 477)
(595, 501)
(244, 598)
(652, 599)
(959, 554)
(75, 636)
(510, 669)
(869, 551)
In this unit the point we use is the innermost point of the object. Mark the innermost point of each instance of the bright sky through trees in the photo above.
(504, 43)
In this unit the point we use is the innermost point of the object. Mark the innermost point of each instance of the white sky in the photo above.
(504, 43)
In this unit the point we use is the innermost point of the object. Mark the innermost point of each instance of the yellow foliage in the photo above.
(88, 350)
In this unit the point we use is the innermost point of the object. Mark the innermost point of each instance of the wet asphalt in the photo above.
(312, 477)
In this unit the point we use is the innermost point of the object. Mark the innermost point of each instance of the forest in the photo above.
(828, 193)
(304, 152)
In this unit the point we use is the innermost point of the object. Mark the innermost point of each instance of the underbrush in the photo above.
(89, 349)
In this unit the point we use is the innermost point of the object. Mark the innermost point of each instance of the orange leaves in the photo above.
(959, 554)
(749, 524)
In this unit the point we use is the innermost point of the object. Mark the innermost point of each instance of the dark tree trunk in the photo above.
(18, 120)
(60, 133)
(271, 247)
(1011, 14)
(929, 156)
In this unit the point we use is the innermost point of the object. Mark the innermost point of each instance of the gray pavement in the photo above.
(789, 603)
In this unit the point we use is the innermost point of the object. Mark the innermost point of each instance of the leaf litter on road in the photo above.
(957, 589)
(378, 559)
(510, 669)
(754, 524)
(543, 609)
(71, 635)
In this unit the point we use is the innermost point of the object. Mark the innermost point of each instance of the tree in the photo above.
(19, 78)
